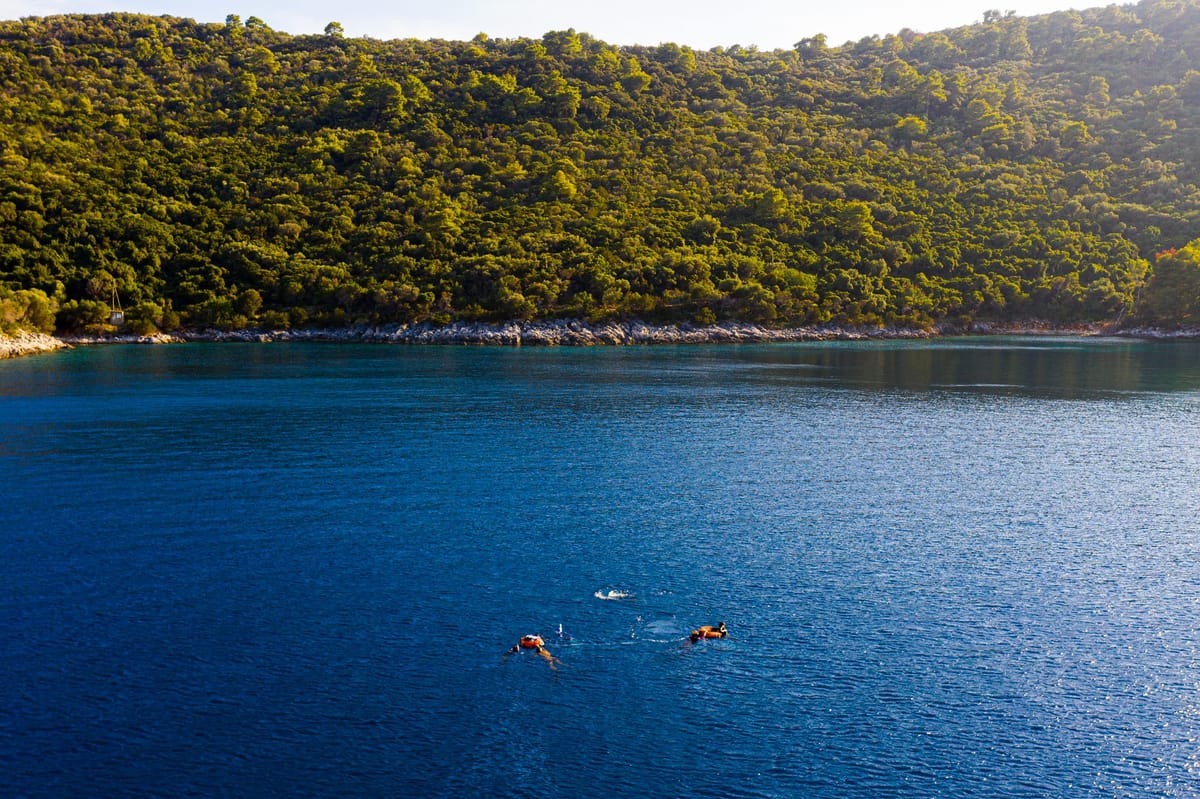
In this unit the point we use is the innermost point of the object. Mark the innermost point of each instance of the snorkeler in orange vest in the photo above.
(535, 643)
(708, 631)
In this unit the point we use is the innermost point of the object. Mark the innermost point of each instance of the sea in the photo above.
(959, 567)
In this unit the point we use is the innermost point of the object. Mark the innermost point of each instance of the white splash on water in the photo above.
(613, 595)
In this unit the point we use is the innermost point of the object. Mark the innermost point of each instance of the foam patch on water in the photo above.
(611, 596)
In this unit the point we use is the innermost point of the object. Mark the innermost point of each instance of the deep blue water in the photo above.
(950, 568)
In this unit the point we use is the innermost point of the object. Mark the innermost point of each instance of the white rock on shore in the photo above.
(157, 338)
(26, 343)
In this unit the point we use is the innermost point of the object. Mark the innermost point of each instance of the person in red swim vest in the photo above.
(708, 631)
(535, 643)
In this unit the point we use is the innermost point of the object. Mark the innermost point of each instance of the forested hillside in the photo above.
(231, 175)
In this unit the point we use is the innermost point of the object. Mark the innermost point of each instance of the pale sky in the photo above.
(701, 24)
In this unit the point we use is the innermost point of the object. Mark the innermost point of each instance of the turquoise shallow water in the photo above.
(950, 568)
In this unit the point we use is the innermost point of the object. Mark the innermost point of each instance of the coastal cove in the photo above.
(950, 567)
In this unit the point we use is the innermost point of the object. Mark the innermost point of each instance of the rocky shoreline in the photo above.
(567, 333)
(572, 333)
(25, 343)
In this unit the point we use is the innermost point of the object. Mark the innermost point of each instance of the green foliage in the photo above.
(1172, 295)
(26, 309)
(82, 316)
(230, 175)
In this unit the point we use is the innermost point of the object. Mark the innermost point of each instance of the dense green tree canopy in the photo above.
(232, 175)
(1172, 295)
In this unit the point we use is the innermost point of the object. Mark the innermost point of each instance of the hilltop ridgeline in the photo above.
(233, 176)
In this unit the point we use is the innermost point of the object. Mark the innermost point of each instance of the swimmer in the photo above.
(530, 641)
(535, 643)
(708, 631)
